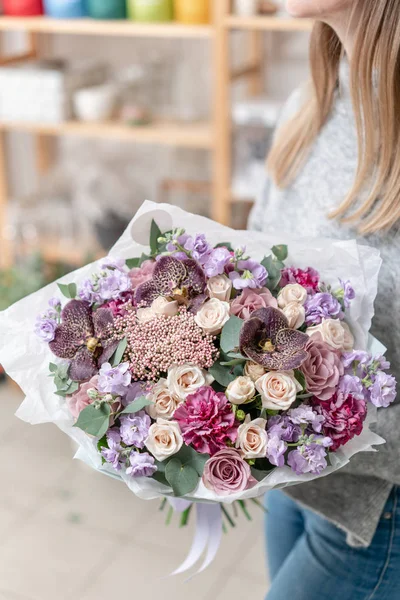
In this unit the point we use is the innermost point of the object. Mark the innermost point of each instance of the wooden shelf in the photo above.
(279, 22)
(104, 28)
(188, 135)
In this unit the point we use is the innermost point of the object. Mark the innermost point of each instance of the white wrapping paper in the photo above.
(26, 358)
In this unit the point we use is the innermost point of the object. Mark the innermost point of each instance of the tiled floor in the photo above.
(67, 532)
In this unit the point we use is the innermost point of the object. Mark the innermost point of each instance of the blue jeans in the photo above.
(309, 558)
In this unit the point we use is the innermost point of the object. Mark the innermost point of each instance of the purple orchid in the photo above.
(248, 274)
(267, 340)
(82, 339)
(182, 280)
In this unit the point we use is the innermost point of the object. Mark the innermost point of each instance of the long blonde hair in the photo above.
(375, 91)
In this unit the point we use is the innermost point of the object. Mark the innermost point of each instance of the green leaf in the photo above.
(94, 421)
(155, 233)
(233, 362)
(133, 263)
(230, 334)
(299, 375)
(119, 353)
(280, 251)
(189, 457)
(62, 370)
(182, 478)
(223, 375)
(274, 268)
(69, 291)
(53, 368)
(69, 388)
(137, 405)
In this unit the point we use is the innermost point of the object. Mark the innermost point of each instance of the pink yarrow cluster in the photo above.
(164, 341)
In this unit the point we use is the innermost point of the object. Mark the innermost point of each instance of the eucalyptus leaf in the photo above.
(280, 251)
(133, 263)
(94, 421)
(223, 375)
(68, 290)
(233, 362)
(119, 352)
(182, 478)
(231, 334)
(53, 368)
(137, 405)
(299, 375)
(189, 457)
(155, 233)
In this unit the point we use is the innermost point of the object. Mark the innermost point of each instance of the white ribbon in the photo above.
(207, 537)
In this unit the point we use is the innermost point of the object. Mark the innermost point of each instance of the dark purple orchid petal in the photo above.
(251, 333)
(83, 366)
(195, 278)
(102, 320)
(64, 345)
(77, 318)
(146, 293)
(273, 321)
(197, 303)
(291, 340)
(169, 274)
(108, 350)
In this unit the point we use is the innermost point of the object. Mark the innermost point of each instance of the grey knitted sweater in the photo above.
(354, 497)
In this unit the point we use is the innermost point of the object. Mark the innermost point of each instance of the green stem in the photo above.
(169, 516)
(163, 503)
(185, 517)
(242, 505)
(228, 516)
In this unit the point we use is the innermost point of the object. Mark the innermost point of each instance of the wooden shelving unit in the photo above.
(214, 136)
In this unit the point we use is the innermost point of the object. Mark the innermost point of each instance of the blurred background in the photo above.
(103, 104)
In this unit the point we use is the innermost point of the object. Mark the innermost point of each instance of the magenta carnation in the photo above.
(344, 417)
(308, 278)
(207, 421)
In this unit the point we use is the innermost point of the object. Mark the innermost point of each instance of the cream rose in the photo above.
(220, 287)
(165, 402)
(164, 439)
(253, 370)
(348, 345)
(183, 380)
(278, 389)
(212, 316)
(241, 390)
(332, 332)
(293, 292)
(162, 306)
(144, 315)
(295, 314)
(252, 438)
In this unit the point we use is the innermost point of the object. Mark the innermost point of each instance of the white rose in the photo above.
(144, 315)
(278, 389)
(295, 314)
(162, 306)
(332, 332)
(241, 390)
(165, 402)
(212, 316)
(220, 287)
(253, 370)
(348, 345)
(252, 438)
(164, 439)
(184, 380)
(293, 292)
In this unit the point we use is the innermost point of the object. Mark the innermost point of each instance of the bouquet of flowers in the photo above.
(195, 367)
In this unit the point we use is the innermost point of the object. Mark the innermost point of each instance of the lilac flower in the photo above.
(351, 384)
(45, 328)
(282, 427)
(142, 465)
(383, 390)
(55, 303)
(382, 363)
(348, 293)
(248, 274)
(176, 242)
(198, 247)
(114, 380)
(308, 459)
(276, 449)
(322, 306)
(133, 391)
(113, 263)
(110, 284)
(112, 454)
(362, 358)
(134, 429)
(305, 415)
(216, 262)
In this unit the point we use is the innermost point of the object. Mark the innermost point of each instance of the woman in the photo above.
(334, 171)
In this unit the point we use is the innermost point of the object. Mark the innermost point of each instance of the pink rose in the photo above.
(142, 274)
(251, 300)
(322, 369)
(227, 473)
(80, 400)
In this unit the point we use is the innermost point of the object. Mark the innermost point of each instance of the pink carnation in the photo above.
(308, 278)
(344, 418)
(207, 421)
(80, 400)
(142, 274)
(251, 300)
(322, 369)
(227, 473)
